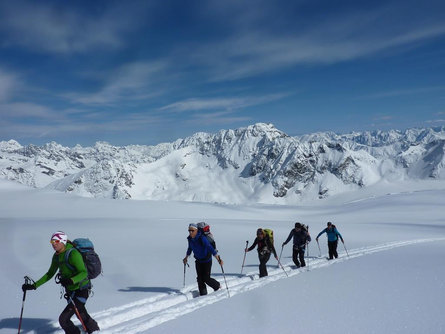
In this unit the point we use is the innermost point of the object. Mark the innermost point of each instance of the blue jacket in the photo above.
(202, 250)
(332, 234)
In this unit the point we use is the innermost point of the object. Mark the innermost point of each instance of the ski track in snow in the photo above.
(144, 314)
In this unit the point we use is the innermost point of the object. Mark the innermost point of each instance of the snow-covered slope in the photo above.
(388, 277)
(258, 163)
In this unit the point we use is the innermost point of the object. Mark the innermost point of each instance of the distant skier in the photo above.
(202, 251)
(332, 234)
(301, 238)
(74, 278)
(265, 247)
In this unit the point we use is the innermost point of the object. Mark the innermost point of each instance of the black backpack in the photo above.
(90, 257)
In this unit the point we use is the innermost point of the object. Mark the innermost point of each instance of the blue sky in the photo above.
(145, 72)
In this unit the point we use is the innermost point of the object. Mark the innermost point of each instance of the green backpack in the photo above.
(269, 232)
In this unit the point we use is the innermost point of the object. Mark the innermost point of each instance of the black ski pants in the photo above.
(298, 254)
(332, 246)
(203, 277)
(263, 257)
(80, 298)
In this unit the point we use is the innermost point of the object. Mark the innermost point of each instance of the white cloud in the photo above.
(219, 117)
(435, 121)
(130, 82)
(52, 127)
(254, 49)
(8, 84)
(26, 110)
(197, 104)
(383, 118)
(43, 27)
(402, 92)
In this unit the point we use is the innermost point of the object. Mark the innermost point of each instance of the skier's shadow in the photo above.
(157, 289)
(34, 325)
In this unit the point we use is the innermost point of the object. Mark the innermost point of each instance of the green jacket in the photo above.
(79, 275)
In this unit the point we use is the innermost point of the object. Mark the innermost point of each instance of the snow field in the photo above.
(391, 282)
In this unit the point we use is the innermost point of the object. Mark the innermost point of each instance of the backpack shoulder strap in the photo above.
(67, 258)
(267, 241)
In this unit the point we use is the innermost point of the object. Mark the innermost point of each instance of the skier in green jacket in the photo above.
(74, 277)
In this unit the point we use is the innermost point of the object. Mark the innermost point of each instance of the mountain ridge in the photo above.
(257, 163)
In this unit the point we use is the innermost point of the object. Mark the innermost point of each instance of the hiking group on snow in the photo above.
(77, 263)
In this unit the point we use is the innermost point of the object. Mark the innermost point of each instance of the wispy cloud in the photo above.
(435, 121)
(27, 110)
(51, 127)
(130, 82)
(402, 92)
(383, 118)
(9, 83)
(217, 118)
(230, 103)
(46, 27)
(252, 49)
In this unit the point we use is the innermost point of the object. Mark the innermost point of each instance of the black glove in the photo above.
(66, 281)
(26, 287)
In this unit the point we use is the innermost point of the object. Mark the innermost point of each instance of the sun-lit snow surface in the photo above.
(255, 164)
(391, 282)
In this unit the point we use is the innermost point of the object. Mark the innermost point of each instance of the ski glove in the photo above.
(26, 287)
(66, 281)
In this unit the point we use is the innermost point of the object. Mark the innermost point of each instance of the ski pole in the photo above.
(224, 275)
(345, 248)
(183, 282)
(69, 298)
(184, 273)
(279, 263)
(282, 247)
(27, 281)
(77, 313)
(244, 259)
(319, 250)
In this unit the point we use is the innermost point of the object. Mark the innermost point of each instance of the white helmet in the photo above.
(60, 236)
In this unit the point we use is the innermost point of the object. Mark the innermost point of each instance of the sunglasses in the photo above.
(192, 230)
(54, 241)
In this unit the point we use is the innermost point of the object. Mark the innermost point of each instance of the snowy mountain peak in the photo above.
(9, 146)
(262, 129)
(257, 163)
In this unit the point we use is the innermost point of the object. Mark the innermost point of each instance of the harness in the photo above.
(263, 246)
(72, 268)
